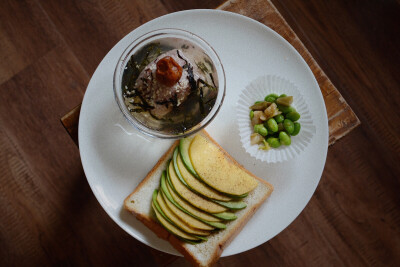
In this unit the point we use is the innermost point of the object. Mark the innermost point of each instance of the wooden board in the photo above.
(49, 215)
(341, 117)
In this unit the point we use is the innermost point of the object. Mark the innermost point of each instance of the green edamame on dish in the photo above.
(274, 121)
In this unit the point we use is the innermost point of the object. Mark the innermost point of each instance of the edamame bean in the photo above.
(288, 125)
(297, 128)
(284, 138)
(280, 127)
(272, 125)
(293, 116)
(271, 97)
(279, 118)
(273, 142)
(277, 130)
(285, 109)
(259, 128)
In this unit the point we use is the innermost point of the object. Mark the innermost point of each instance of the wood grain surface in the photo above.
(341, 118)
(49, 216)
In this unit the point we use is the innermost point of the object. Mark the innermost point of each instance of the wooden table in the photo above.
(340, 115)
(48, 52)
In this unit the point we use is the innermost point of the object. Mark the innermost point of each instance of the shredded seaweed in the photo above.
(189, 68)
(173, 100)
(212, 79)
(209, 63)
(182, 117)
(151, 52)
(202, 67)
(210, 100)
(191, 79)
(186, 65)
(201, 102)
(206, 84)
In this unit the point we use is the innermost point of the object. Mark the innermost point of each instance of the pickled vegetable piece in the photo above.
(271, 111)
(285, 101)
(168, 71)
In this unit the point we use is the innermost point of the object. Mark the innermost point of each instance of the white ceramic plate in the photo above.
(115, 162)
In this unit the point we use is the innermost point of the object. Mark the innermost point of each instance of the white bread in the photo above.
(205, 253)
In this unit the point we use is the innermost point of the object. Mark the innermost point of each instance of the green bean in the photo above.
(297, 128)
(273, 142)
(288, 125)
(258, 102)
(284, 138)
(251, 114)
(279, 118)
(259, 128)
(272, 126)
(293, 116)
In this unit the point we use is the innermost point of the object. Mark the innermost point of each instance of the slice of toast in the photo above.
(208, 252)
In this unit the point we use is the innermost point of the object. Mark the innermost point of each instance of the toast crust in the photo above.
(161, 161)
(233, 230)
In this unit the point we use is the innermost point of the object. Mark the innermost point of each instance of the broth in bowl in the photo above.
(170, 85)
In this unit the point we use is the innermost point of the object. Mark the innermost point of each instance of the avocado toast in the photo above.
(197, 215)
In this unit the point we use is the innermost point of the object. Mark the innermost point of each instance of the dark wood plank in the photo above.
(48, 218)
(49, 215)
(341, 117)
(359, 51)
(25, 36)
(353, 218)
(94, 28)
(265, 12)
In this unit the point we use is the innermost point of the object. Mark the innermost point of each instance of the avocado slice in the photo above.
(166, 224)
(191, 197)
(237, 197)
(215, 217)
(171, 200)
(226, 216)
(176, 220)
(200, 188)
(185, 205)
(212, 166)
(184, 145)
(186, 218)
(233, 205)
(193, 183)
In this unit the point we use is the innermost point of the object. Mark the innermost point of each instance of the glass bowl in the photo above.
(169, 39)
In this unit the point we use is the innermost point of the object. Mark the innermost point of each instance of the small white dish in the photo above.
(256, 91)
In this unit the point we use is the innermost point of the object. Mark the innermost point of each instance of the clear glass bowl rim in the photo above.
(122, 61)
